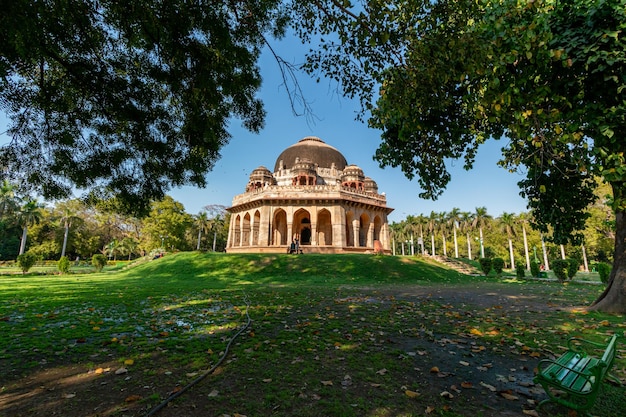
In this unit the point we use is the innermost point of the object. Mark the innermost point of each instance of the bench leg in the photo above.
(614, 379)
(550, 400)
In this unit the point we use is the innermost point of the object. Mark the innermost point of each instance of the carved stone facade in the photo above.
(313, 198)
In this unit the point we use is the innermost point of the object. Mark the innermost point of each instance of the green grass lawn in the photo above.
(330, 335)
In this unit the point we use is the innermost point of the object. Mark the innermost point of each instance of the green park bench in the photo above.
(574, 379)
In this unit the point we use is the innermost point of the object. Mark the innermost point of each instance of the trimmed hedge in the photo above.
(485, 265)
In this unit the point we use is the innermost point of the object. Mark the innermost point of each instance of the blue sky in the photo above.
(486, 185)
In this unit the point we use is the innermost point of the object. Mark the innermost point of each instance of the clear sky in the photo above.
(486, 185)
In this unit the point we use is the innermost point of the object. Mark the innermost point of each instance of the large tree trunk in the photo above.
(613, 299)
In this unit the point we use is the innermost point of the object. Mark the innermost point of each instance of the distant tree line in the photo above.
(509, 236)
(77, 229)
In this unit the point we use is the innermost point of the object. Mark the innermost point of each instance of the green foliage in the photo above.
(26, 261)
(64, 265)
(98, 261)
(520, 271)
(534, 269)
(497, 265)
(604, 270)
(485, 265)
(559, 267)
(572, 267)
(167, 224)
(82, 81)
(554, 92)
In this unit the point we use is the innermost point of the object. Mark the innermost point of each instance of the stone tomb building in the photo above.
(314, 198)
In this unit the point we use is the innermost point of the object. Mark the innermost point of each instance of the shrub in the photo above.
(534, 269)
(498, 265)
(520, 271)
(604, 270)
(559, 267)
(485, 265)
(99, 261)
(26, 261)
(64, 265)
(572, 267)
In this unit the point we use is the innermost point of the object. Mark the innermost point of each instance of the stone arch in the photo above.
(245, 230)
(378, 226)
(256, 224)
(237, 231)
(364, 229)
(302, 226)
(279, 228)
(324, 228)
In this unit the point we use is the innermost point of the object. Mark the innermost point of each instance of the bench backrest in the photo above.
(609, 352)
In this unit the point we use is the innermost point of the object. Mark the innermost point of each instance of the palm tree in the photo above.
(202, 223)
(8, 201)
(215, 224)
(507, 225)
(467, 219)
(128, 246)
(481, 220)
(522, 219)
(442, 222)
(454, 219)
(432, 229)
(395, 232)
(30, 214)
(69, 211)
(421, 222)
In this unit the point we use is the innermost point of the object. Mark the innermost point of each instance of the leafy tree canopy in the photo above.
(439, 78)
(127, 98)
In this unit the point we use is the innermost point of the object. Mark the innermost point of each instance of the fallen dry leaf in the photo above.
(508, 396)
(429, 409)
(447, 394)
(489, 387)
(68, 396)
(467, 385)
(531, 413)
(381, 371)
(327, 383)
(133, 398)
(434, 370)
(121, 371)
(411, 394)
(214, 393)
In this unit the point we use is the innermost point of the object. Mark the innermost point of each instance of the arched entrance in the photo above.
(324, 228)
(279, 228)
(302, 226)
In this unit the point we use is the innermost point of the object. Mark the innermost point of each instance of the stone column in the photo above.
(313, 211)
(338, 224)
(229, 241)
(265, 227)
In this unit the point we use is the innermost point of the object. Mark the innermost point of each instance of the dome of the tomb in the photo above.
(311, 149)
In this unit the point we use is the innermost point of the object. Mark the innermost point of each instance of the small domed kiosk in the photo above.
(314, 200)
